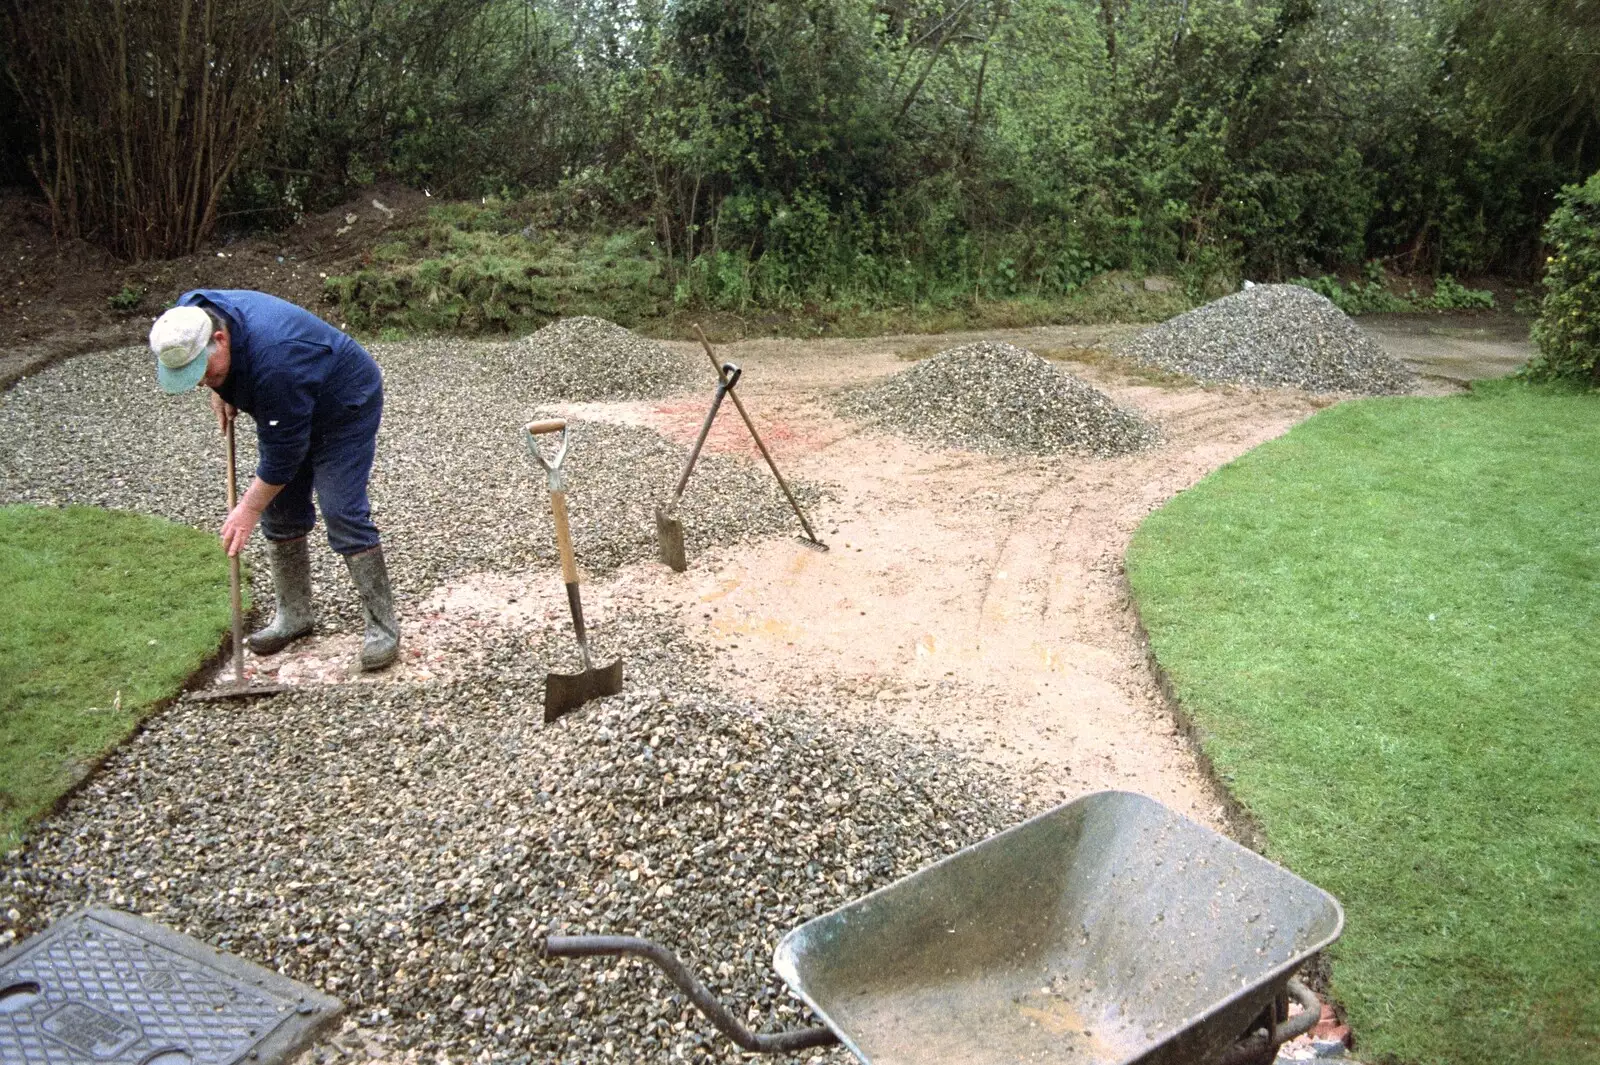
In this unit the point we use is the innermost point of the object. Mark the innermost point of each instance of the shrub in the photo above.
(127, 299)
(1359, 298)
(144, 111)
(1451, 295)
(1372, 296)
(483, 271)
(1567, 330)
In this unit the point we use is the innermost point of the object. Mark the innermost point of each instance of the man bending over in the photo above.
(316, 397)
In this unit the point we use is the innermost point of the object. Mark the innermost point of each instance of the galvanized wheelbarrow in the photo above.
(1108, 931)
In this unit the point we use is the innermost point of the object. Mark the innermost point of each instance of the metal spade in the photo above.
(810, 538)
(565, 692)
(669, 530)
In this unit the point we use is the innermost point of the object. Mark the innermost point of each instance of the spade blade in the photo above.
(669, 541)
(565, 692)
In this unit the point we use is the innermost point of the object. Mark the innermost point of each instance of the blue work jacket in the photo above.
(295, 374)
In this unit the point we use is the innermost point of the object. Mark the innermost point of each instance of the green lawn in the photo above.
(93, 603)
(1385, 624)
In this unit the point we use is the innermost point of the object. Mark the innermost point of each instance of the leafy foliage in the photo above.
(488, 270)
(1372, 295)
(899, 152)
(126, 299)
(505, 267)
(1358, 297)
(1567, 330)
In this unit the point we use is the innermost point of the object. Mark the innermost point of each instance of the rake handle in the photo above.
(724, 386)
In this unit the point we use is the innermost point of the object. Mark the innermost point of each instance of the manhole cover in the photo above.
(109, 988)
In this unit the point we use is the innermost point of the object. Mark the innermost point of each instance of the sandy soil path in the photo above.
(978, 599)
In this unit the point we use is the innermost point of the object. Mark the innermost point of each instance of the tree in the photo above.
(144, 110)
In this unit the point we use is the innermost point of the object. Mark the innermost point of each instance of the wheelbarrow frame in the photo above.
(889, 985)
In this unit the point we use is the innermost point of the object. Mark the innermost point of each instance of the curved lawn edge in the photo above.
(106, 619)
(1241, 824)
(1375, 630)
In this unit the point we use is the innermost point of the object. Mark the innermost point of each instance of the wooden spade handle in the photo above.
(569, 565)
(552, 425)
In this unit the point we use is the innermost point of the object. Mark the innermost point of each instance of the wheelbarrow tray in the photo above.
(1109, 930)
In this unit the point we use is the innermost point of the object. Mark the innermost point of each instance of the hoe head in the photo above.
(239, 691)
(565, 692)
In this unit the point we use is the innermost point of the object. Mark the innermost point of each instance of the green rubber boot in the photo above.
(291, 584)
(381, 646)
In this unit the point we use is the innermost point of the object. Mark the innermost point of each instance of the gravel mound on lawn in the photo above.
(1273, 335)
(454, 490)
(407, 848)
(590, 360)
(1001, 399)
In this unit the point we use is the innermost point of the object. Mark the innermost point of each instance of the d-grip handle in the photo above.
(558, 488)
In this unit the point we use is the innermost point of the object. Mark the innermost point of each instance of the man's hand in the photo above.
(224, 411)
(237, 529)
(242, 519)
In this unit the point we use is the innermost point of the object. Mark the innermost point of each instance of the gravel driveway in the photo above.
(453, 491)
(407, 845)
(796, 730)
(408, 848)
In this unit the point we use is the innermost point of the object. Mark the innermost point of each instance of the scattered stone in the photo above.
(1002, 399)
(590, 359)
(408, 849)
(1275, 336)
(1160, 284)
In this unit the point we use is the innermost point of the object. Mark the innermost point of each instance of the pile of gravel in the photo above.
(1273, 335)
(408, 847)
(454, 490)
(590, 360)
(1001, 399)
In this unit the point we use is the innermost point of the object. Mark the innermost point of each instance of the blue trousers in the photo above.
(337, 466)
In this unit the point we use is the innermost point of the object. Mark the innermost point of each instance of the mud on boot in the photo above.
(381, 645)
(291, 585)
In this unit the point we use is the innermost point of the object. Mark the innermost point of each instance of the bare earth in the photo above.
(979, 599)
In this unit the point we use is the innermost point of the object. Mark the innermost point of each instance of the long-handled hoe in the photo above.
(239, 689)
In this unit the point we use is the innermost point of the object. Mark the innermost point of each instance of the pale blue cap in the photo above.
(179, 339)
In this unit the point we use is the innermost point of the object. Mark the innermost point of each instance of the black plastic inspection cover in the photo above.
(109, 988)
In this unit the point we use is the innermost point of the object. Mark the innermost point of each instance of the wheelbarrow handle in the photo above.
(716, 1012)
